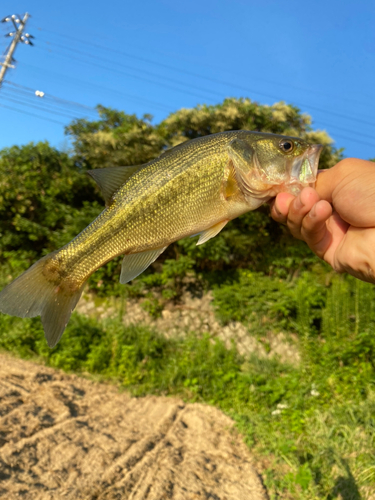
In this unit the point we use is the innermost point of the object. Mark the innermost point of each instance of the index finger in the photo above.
(328, 180)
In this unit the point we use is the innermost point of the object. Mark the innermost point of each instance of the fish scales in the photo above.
(152, 207)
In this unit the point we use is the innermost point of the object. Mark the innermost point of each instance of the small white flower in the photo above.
(313, 391)
(282, 406)
(276, 412)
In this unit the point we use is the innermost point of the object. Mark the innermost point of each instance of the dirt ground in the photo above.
(65, 437)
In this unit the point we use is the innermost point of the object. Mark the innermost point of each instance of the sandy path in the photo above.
(65, 437)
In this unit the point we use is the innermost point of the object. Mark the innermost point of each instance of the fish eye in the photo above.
(286, 146)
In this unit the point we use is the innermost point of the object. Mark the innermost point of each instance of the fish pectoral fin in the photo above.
(230, 184)
(111, 179)
(211, 232)
(134, 264)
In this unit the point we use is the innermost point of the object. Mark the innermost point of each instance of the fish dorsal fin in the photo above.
(111, 179)
(211, 232)
(134, 264)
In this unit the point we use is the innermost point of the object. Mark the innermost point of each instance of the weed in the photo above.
(313, 423)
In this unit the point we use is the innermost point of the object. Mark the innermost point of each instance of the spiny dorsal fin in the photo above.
(111, 179)
(134, 264)
(211, 232)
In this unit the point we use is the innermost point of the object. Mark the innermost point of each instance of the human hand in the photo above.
(337, 218)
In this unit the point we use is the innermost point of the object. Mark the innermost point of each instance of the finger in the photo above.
(326, 182)
(280, 207)
(299, 208)
(329, 180)
(338, 229)
(314, 228)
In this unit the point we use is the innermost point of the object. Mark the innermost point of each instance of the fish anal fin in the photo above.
(211, 232)
(111, 179)
(134, 264)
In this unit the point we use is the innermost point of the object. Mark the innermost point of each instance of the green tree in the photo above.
(44, 200)
(115, 139)
(236, 114)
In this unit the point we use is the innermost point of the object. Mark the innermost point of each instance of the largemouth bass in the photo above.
(194, 188)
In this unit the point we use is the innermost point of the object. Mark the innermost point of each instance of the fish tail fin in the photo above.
(41, 291)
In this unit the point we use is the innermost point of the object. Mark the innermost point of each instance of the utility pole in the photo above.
(19, 25)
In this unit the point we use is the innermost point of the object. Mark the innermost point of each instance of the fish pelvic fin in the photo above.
(111, 179)
(40, 292)
(211, 232)
(134, 264)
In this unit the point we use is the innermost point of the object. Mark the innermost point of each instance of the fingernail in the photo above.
(312, 212)
(277, 210)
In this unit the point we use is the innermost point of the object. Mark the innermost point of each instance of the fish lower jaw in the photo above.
(293, 188)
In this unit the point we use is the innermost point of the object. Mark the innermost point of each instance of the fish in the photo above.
(195, 188)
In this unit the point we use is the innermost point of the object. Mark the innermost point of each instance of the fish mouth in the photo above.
(305, 168)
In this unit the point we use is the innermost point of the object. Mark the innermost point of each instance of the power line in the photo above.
(351, 139)
(25, 101)
(347, 130)
(339, 115)
(196, 75)
(31, 114)
(174, 68)
(131, 67)
(37, 101)
(78, 81)
(40, 109)
(90, 108)
(147, 80)
(40, 99)
(300, 104)
(66, 103)
(74, 117)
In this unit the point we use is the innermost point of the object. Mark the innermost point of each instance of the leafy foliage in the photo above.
(236, 114)
(115, 139)
(44, 201)
(259, 300)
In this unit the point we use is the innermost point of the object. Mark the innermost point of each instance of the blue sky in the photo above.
(158, 56)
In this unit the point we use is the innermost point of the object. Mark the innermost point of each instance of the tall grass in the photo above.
(311, 426)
